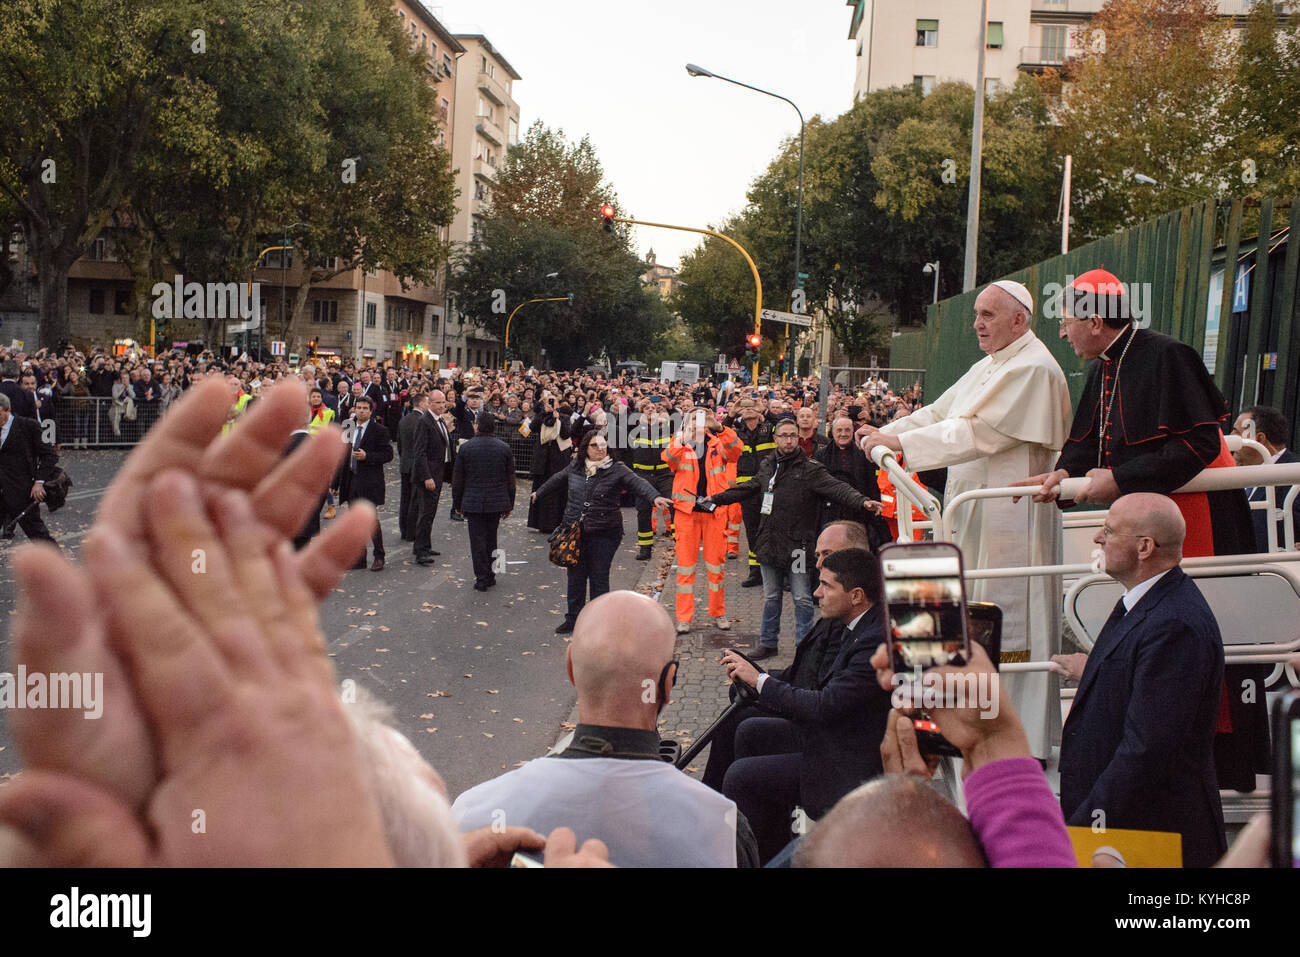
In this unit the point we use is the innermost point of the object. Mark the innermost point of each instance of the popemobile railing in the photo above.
(1278, 561)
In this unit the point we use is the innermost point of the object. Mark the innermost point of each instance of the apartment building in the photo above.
(926, 42)
(486, 125)
(359, 314)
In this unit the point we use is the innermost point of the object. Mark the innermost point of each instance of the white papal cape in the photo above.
(1004, 420)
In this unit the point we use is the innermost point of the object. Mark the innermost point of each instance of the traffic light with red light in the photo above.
(607, 213)
(754, 340)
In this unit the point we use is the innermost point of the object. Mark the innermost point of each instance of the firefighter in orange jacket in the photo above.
(698, 457)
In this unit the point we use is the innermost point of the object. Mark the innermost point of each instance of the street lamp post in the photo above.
(933, 268)
(694, 70)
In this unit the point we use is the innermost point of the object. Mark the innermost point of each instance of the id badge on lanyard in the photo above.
(768, 496)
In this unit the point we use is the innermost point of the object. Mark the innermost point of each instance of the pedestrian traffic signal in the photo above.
(781, 357)
(607, 213)
(754, 340)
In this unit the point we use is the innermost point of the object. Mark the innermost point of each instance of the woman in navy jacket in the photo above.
(594, 482)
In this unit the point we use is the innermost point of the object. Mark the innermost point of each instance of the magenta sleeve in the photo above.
(1015, 816)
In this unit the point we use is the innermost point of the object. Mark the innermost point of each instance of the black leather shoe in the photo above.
(564, 628)
(424, 559)
(643, 553)
(753, 581)
(479, 586)
(435, 553)
(457, 517)
(763, 652)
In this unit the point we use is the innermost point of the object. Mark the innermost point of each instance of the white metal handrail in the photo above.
(908, 488)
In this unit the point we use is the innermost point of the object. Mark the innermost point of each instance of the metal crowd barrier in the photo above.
(95, 421)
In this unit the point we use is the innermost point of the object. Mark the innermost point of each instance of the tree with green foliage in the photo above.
(544, 218)
(1149, 94)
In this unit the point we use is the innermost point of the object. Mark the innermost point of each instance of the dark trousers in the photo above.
(750, 514)
(377, 540)
(722, 746)
(31, 523)
(764, 781)
(405, 513)
(425, 505)
(597, 550)
(483, 543)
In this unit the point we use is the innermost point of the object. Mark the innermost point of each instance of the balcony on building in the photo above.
(493, 89)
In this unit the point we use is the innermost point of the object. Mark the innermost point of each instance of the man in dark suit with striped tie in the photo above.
(1269, 428)
(26, 461)
(1137, 750)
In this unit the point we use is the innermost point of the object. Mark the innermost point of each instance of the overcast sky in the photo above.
(678, 149)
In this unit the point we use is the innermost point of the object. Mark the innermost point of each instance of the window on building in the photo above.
(370, 315)
(484, 67)
(924, 83)
(994, 40)
(122, 302)
(927, 33)
(514, 131)
(97, 249)
(458, 355)
(446, 63)
(325, 310)
(279, 259)
(96, 302)
(1053, 44)
(991, 85)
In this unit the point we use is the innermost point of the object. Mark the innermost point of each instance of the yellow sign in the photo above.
(1135, 848)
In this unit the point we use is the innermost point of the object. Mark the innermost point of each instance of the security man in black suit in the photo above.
(1269, 428)
(21, 403)
(362, 475)
(26, 461)
(406, 429)
(1137, 750)
(830, 743)
(483, 490)
(312, 528)
(814, 657)
(432, 455)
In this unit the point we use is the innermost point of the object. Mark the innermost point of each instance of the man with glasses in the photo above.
(1137, 750)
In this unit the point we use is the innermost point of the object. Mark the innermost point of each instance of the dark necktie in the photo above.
(1116, 614)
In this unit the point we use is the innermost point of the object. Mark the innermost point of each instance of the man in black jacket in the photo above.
(789, 488)
(831, 742)
(813, 657)
(406, 429)
(20, 403)
(483, 490)
(26, 461)
(756, 442)
(362, 475)
(432, 455)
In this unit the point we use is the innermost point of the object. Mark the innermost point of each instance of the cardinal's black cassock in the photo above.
(1151, 413)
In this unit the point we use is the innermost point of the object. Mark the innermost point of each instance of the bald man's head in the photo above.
(892, 821)
(1156, 515)
(621, 641)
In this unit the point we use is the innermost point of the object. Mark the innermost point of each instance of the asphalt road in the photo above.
(475, 680)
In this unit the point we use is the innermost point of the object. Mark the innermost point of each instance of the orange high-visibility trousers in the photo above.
(692, 530)
(733, 527)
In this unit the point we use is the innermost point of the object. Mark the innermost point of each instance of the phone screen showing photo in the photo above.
(926, 607)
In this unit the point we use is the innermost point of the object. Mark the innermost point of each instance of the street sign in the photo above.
(734, 367)
(794, 319)
(719, 367)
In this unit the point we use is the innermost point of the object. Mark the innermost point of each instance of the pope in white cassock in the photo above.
(1010, 412)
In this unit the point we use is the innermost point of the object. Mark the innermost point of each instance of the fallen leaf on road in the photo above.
(425, 717)
(568, 726)
(483, 623)
(494, 692)
(438, 694)
(488, 735)
(378, 650)
(430, 730)
(517, 720)
(370, 613)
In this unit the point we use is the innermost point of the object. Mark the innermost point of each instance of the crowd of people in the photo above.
(829, 743)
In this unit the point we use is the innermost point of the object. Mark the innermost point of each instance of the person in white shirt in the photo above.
(1009, 413)
(610, 782)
